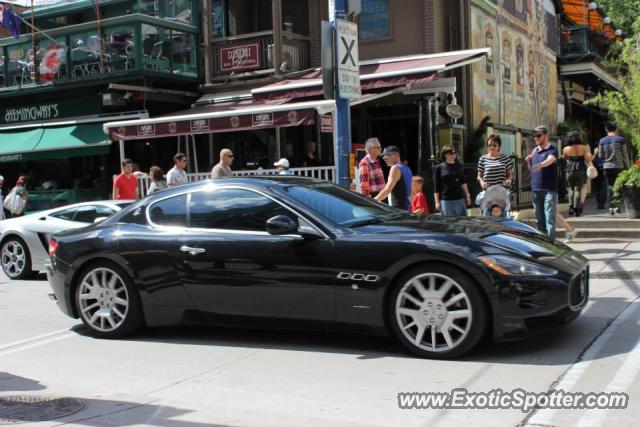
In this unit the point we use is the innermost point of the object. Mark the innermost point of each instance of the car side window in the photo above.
(67, 214)
(170, 212)
(85, 214)
(233, 209)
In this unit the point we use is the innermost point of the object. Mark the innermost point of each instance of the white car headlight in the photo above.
(509, 266)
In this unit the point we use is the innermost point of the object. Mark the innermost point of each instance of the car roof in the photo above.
(256, 181)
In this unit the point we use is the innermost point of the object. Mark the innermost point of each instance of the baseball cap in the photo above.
(282, 162)
(541, 129)
(390, 150)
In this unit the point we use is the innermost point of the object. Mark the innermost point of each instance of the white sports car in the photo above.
(24, 240)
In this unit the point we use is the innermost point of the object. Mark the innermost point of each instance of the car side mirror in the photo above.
(281, 224)
(99, 219)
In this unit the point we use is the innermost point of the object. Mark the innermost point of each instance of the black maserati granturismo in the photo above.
(304, 253)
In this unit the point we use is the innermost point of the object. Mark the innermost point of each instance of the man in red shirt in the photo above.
(125, 186)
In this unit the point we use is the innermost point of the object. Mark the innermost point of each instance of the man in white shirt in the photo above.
(223, 168)
(177, 175)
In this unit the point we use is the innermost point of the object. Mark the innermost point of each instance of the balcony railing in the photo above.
(578, 40)
(254, 53)
(125, 45)
(327, 173)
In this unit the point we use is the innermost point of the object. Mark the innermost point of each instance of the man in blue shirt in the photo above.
(544, 181)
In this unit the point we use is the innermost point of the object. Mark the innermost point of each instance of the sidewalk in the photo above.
(611, 243)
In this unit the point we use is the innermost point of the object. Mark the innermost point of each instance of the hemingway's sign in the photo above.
(240, 57)
(31, 113)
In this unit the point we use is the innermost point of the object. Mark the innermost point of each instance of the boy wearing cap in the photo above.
(282, 167)
(398, 187)
(544, 181)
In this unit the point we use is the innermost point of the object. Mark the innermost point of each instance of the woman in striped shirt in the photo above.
(495, 168)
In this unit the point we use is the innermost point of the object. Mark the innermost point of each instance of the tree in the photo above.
(624, 105)
(622, 12)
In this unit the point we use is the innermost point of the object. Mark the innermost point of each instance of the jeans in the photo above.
(453, 207)
(611, 175)
(545, 205)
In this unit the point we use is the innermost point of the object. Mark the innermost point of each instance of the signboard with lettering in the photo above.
(10, 114)
(262, 119)
(348, 62)
(239, 57)
(326, 124)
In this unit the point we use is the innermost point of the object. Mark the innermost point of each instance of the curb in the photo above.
(616, 275)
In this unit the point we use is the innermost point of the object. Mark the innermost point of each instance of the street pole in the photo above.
(342, 125)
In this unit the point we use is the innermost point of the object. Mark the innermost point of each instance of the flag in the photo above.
(10, 21)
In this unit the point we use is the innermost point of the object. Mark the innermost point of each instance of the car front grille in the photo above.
(579, 290)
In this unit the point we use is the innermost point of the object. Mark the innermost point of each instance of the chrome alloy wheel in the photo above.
(103, 299)
(14, 258)
(433, 312)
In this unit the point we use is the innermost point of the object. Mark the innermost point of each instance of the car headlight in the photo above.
(509, 266)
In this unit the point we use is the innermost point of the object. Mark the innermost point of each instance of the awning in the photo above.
(377, 74)
(224, 117)
(589, 72)
(53, 143)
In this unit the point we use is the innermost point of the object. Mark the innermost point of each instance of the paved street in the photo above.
(211, 376)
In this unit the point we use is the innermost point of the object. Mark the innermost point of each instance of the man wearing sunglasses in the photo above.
(223, 168)
(544, 181)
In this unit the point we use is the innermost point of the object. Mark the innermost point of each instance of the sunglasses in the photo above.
(230, 156)
(450, 152)
(538, 135)
(493, 145)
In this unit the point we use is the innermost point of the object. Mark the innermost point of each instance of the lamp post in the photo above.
(592, 6)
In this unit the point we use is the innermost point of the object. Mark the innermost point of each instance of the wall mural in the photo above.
(516, 85)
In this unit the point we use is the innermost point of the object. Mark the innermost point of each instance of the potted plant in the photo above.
(627, 188)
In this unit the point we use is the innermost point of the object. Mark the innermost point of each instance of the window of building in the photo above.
(374, 20)
(232, 209)
(170, 212)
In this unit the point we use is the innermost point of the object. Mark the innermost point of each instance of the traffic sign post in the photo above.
(347, 80)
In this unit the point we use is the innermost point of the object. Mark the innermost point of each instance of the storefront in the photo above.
(400, 102)
(66, 155)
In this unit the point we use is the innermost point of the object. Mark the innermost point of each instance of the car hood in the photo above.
(507, 235)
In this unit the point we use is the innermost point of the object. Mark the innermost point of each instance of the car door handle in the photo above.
(192, 251)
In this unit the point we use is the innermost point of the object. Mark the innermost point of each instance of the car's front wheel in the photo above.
(437, 312)
(107, 302)
(15, 258)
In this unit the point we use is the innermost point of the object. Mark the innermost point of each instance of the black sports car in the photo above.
(299, 252)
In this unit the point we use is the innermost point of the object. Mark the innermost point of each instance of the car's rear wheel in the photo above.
(15, 258)
(437, 312)
(107, 303)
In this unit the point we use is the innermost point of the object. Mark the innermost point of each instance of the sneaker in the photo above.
(569, 235)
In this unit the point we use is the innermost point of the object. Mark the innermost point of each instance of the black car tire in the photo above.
(106, 289)
(415, 309)
(14, 247)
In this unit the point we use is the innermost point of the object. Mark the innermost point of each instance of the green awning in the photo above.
(60, 142)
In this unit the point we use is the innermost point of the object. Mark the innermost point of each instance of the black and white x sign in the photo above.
(348, 56)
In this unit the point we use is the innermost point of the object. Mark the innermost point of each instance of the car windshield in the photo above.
(340, 206)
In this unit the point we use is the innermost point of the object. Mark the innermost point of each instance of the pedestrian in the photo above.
(223, 168)
(156, 175)
(543, 162)
(371, 175)
(451, 191)
(612, 149)
(494, 168)
(17, 199)
(125, 185)
(177, 175)
(310, 158)
(418, 201)
(578, 156)
(282, 167)
(599, 183)
(2, 209)
(398, 186)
